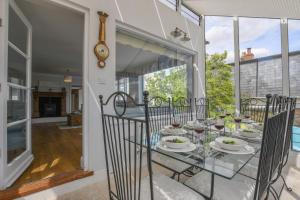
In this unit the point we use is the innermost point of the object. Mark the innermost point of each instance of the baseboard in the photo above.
(48, 120)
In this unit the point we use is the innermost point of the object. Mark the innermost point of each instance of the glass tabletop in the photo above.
(204, 157)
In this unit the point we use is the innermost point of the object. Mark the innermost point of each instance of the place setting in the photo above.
(176, 144)
(231, 145)
(248, 134)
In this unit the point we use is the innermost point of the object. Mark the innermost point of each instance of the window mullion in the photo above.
(236, 63)
(285, 57)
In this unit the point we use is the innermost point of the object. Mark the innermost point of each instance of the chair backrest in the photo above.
(255, 107)
(274, 126)
(182, 109)
(201, 108)
(159, 113)
(125, 139)
(288, 137)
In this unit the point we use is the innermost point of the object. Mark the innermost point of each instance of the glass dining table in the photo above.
(203, 157)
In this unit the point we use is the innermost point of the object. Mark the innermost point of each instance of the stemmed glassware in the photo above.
(247, 115)
(220, 125)
(199, 130)
(176, 121)
(237, 120)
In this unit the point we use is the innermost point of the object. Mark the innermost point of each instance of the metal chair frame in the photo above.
(201, 108)
(121, 154)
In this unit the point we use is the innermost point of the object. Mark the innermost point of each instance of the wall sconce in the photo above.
(178, 32)
(185, 38)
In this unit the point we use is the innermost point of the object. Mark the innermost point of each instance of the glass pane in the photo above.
(294, 57)
(16, 68)
(16, 105)
(16, 141)
(169, 3)
(190, 15)
(145, 65)
(219, 64)
(260, 59)
(17, 32)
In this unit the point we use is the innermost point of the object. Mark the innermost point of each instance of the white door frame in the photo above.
(86, 49)
(4, 8)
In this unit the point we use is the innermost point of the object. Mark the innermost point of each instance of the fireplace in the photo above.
(50, 106)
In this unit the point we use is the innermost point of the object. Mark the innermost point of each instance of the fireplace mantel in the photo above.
(36, 98)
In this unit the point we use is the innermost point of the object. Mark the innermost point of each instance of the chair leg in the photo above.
(178, 177)
(173, 176)
(285, 184)
(275, 196)
(274, 193)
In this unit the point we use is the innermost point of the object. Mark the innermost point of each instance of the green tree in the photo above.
(167, 83)
(219, 83)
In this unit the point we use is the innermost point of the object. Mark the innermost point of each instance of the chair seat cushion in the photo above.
(170, 163)
(165, 188)
(237, 188)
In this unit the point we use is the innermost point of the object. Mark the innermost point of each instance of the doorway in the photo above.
(44, 105)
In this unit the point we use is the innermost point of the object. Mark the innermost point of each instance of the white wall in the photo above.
(148, 15)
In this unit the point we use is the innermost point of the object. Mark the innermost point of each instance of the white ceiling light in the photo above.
(68, 78)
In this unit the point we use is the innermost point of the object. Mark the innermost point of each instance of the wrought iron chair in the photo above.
(290, 105)
(253, 107)
(182, 110)
(202, 108)
(160, 115)
(128, 154)
(242, 187)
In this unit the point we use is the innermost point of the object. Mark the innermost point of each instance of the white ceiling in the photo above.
(127, 58)
(57, 37)
(250, 8)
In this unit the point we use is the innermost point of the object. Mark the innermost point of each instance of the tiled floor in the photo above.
(98, 191)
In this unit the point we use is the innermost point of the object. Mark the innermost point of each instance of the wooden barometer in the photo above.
(101, 49)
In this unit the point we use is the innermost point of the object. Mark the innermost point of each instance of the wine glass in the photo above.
(237, 120)
(199, 129)
(228, 114)
(247, 115)
(220, 125)
(176, 122)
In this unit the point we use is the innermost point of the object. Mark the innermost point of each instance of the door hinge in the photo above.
(0, 22)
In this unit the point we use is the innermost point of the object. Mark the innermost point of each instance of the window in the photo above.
(219, 63)
(260, 59)
(146, 65)
(190, 15)
(170, 3)
(294, 56)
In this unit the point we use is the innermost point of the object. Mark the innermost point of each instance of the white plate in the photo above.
(238, 143)
(247, 121)
(173, 131)
(184, 144)
(246, 150)
(255, 139)
(190, 147)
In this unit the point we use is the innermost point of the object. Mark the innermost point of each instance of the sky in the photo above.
(260, 34)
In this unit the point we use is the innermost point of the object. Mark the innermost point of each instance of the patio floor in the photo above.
(98, 191)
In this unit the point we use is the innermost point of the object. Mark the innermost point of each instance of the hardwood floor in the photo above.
(55, 151)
